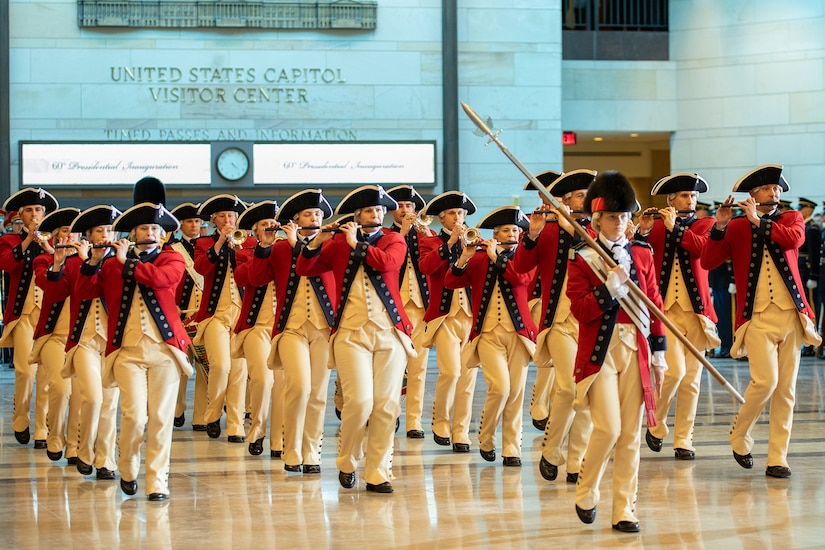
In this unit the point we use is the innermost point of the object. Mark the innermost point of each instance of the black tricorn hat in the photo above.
(144, 213)
(683, 181)
(57, 219)
(221, 203)
(545, 178)
(610, 192)
(366, 195)
(264, 210)
(571, 181)
(504, 216)
(407, 193)
(803, 202)
(149, 189)
(448, 200)
(186, 211)
(768, 174)
(702, 206)
(309, 198)
(93, 217)
(784, 203)
(31, 196)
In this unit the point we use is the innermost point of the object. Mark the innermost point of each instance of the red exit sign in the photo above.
(568, 138)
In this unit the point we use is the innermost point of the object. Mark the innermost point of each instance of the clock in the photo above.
(232, 164)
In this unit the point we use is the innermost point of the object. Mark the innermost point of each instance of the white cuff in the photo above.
(659, 359)
(732, 288)
(811, 284)
(616, 289)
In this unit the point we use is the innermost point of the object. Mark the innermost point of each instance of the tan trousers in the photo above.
(148, 378)
(683, 378)
(304, 354)
(227, 380)
(773, 343)
(542, 392)
(62, 434)
(25, 376)
(256, 348)
(565, 422)
(277, 412)
(504, 362)
(98, 406)
(199, 404)
(370, 363)
(616, 401)
(416, 369)
(455, 384)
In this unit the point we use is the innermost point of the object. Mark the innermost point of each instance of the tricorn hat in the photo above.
(702, 206)
(186, 211)
(409, 194)
(367, 195)
(803, 202)
(683, 181)
(769, 174)
(448, 200)
(264, 210)
(57, 219)
(30, 196)
(504, 216)
(309, 198)
(545, 178)
(571, 181)
(145, 213)
(221, 203)
(93, 217)
(610, 192)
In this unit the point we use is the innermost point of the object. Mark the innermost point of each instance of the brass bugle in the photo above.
(736, 205)
(471, 234)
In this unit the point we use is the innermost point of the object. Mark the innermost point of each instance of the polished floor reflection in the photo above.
(225, 498)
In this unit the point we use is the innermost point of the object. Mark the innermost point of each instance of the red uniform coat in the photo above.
(54, 299)
(14, 262)
(214, 268)
(436, 258)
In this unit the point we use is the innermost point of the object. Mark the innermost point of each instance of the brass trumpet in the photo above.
(43, 236)
(238, 237)
(471, 234)
(422, 222)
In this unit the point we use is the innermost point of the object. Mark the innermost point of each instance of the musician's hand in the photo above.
(290, 229)
(97, 253)
(121, 249)
(748, 206)
(458, 233)
(668, 215)
(60, 254)
(724, 214)
(407, 223)
(538, 219)
(323, 235)
(621, 273)
(466, 253)
(83, 248)
(47, 247)
(492, 249)
(659, 372)
(646, 221)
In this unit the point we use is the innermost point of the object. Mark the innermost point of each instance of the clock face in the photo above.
(233, 164)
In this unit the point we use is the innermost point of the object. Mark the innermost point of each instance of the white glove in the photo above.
(732, 288)
(659, 360)
(614, 287)
(811, 284)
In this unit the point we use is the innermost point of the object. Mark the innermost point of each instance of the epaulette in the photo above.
(641, 243)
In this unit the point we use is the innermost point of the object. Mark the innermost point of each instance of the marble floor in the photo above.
(224, 498)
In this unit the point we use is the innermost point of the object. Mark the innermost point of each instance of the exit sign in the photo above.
(568, 138)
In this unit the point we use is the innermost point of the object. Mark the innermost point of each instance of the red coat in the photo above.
(386, 257)
(784, 234)
(213, 266)
(436, 258)
(13, 262)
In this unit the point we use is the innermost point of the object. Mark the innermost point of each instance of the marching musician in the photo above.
(677, 238)
(449, 320)
(17, 253)
(547, 246)
(188, 297)
(146, 348)
(50, 337)
(371, 342)
(503, 336)
(218, 313)
(773, 318)
(809, 260)
(415, 295)
(253, 332)
(300, 335)
(615, 339)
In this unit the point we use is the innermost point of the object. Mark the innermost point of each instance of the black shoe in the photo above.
(778, 471)
(347, 480)
(158, 497)
(83, 468)
(489, 456)
(587, 516)
(256, 447)
(627, 526)
(445, 441)
(71, 461)
(746, 461)
(54, 457)
(338, 413)
(684, 454)
(808, 351)
(548, 471)
(275, 454)
(213, 429)
(199, 427)
(292, 468)
(724, 355)
(397, 424)
(540, 424)
(384, 488)
(105, 473)
(461, 447)
(415, 434)
(236, 439)
(572, 478)
(23, 437)
(312, 469)
(179, 420)
(40, 444)
(653, 442)
(513, 461)
(128, 487)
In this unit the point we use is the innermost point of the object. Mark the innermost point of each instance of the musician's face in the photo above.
(404, 208)
(575, 201)
(148, 232)
(191, 227)
(370, 215)
(613, 224)
(225, 218)
(452, 217)
(683, 200)
(766, 193)
(100, 234)
(262, 225)
(507, 233)
(65, 231)
(32, 213)
(309, 217)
